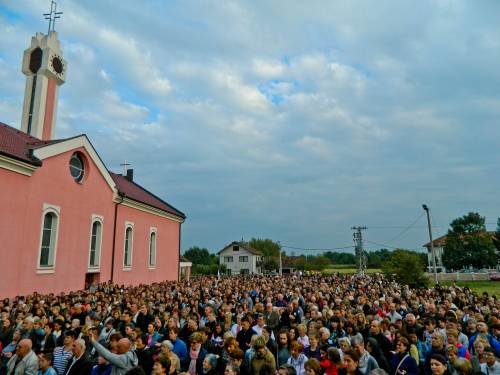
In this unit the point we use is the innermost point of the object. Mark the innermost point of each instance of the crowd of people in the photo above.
(258, 325)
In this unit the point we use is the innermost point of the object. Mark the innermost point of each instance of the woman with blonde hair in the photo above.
(478, 358)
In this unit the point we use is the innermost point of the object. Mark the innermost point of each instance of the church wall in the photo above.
(167, 248)
(14, 243)
(25, 198)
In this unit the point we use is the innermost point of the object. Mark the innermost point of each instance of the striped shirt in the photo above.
(61, 359)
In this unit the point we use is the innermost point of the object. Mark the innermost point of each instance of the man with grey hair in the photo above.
(25, 361)
(80, 364)
(271, 317)
(366, 362)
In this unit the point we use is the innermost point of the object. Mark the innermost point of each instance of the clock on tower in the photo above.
(45, 71)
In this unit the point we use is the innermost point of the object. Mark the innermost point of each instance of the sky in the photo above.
(288, 120)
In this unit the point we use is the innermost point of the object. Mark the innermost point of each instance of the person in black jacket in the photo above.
(6, 331)
(144, 318)
(80, 364)
(144, 354)
(245, 335)
(402, 362)
(383, 342)
(48, 342)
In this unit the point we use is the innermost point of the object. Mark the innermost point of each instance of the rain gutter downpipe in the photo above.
(122, 197)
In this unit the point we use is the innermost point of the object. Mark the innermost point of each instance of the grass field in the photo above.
(491, 287)
(345, 269)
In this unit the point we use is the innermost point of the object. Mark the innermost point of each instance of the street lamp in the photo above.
(426, 209)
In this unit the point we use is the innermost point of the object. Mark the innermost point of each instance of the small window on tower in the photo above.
(77, 167)
(36, 60)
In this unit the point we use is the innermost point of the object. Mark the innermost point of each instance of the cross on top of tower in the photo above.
(125, 166)
(52, 16)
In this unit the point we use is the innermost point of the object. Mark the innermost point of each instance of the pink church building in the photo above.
(66, 221)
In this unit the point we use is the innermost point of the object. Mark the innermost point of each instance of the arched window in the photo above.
(48, 239)
(152, 249)
(127, 253)
(95, 244)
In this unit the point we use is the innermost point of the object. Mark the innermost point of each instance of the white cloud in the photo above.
(268, 68)
(268, 97)
(315, 146)
(136, 61)
(105, 76)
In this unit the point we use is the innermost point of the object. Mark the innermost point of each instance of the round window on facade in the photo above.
(77, 167)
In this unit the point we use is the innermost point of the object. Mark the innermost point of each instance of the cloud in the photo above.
(268, 68)
(136, 62)
(316, 146)
(281, 120)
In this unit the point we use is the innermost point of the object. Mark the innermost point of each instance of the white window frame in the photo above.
(152, 265)
(56, 211)
(128, 225)
(228, 259)
(100, 219)
(244, 260)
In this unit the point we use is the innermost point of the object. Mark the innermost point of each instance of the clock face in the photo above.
(57, 64)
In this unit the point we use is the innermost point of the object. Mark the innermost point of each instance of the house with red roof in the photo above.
(66, 221)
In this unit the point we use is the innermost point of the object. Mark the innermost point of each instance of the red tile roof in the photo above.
(139, 194)
(16, 144)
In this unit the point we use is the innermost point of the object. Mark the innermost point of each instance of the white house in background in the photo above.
(438, 245)
(240, 258)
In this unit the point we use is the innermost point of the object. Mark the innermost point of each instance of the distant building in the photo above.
(240, 258)
(185, 269)
(438, 244)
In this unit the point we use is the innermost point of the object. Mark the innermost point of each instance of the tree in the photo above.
(468, 244)
(317, 263)
(270, 251)
(198, 255)
(406, 267)
(340, 258)
(377, 258)
(496, 236)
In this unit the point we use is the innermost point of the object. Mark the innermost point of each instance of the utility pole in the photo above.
(281, 264)
(358, 249)
(426, 209)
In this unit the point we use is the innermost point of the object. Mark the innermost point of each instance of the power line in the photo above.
(404, 226)
(312, 249)
(391, 247)
(404, 230)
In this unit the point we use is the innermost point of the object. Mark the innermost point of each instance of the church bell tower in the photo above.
(45, 71)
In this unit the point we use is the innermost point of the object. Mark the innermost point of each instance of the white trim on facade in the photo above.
(147, 208)
(72, 145)
(96, 268)
(16, 166)
(152, 230)
(128, 224)
(56, 211)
